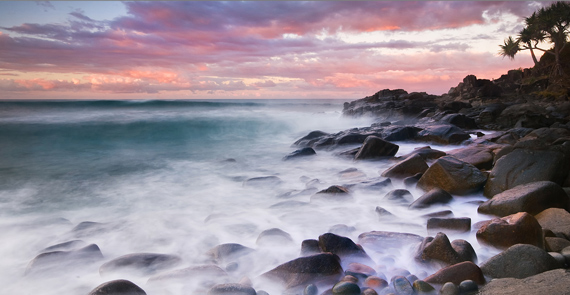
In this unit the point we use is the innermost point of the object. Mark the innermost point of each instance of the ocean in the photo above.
(170, 177)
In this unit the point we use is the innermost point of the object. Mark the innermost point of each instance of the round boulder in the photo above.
(117, 287)
(519, 228)
(519, 261)
(452, 175)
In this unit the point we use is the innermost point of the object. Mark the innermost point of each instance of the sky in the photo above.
(251, 49)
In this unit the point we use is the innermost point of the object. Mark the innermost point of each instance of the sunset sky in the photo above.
(257, 49)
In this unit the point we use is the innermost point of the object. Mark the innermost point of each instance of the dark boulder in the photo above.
(433, 196)
(376, 147)
(141, 263)
(307, 151)
(426, 152)
(400, 133)
(519, 228)
(457, 273)
(531, 198)
(453, 176)
(344, 247)
(553, 282)
(335, 193)
(117, 287)
(519, 261)
(522, 166)
(438, 251)
(460, 121)
(309, 139)
(62, 261)
(408, 167)
(479, 156)
(557, 220)
(555, 244)
(302, 271)
(399, 195)
(310, 247)
(443, 134)
(448, 225)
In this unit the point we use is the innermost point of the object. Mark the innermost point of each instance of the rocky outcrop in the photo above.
(553, 282)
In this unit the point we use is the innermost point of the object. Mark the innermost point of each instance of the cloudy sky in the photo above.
(257, 49)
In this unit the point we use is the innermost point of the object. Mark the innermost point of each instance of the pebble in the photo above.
(423, 288)
(449, 289)
(468, 287)
(346, 288)
(310, 290)
(402, 286)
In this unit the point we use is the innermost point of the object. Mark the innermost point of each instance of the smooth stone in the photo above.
(66, 246)
(432, 197)
(530, 197)
(369, 291)
(449, 288)
(375, 147)
(310, 290)
(555, 244)
(519, 228)
(231, 289)
(426, 152)
(56, 261)
(457, 273)
(383, 212)
(399, 195)
(553, 282)
(408, 167)
(449, 225)
(556, 220)
(443, 134)
(310, 247)
(423, 288)
(117, 287)
(468, 287)
(304, 152)
(559, 258)
(375, 283)
(346, 288)
(439, 251)
(228, 252)
(261, 292)
(325, 267)
(142, 263)
(273, 236)
(478, 156)
(444, 213)
(344, 247)
(402, 286)
(453, 176)
(519, 261)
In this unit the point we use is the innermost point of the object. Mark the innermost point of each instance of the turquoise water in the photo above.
(168, 177)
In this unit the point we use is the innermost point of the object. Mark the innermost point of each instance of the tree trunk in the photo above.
(558, 66)
(533, 56)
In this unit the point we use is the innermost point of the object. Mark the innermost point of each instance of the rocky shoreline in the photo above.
(522, 167)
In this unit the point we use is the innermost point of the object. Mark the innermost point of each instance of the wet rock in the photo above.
(231, 289)
(273, 236)
(307, 270)
(555, 244)
(407, 167)
(444, 213)
(519, 228)
(310, 247)
(478, 156)
(369, 291)
(433, 196)
(117, 287)
(399, 195)
(457, 273)
(449, 288)
(310, 290)
(453, 176)
(225, 253)
(556, 220)
(468, 287)
(439, 251)
(400, 133)
(304, 152)
(309, 139)
(351, 174)
(559, 258)
(198, 272)
(460, 121)
(423, 288)
(531, 198)
(351, 138)
(519, 261)
(142, 263)
(359, 270)
(402, 286)
(344, 247)
(346, 288)
(554, 282)
(450, 225)
(444, 134)
(464, 250)
(264, 181)
(335, 193)
(426, 152)
(523, 166)
(383, 212)
(412, 180)
(58, 261)
(528, 115)
(376, 147)
(381, 240)
(66, 246)
(375, 283)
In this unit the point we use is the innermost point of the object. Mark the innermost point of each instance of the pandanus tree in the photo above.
(548, 24)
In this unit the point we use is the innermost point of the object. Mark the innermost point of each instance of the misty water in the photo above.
(168, 177)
